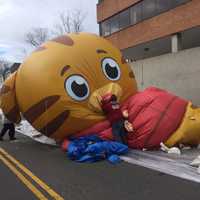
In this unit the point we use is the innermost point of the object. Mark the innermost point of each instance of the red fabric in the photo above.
(97, 128)
(154, 113)
(65, 144)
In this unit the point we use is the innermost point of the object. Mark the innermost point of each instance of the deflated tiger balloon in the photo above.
(59, 87)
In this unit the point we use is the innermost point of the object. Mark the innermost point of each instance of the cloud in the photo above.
(3, 49)
(12, 51)
(19, 16)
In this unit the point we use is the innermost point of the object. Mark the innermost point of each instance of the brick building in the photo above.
(147, 28)
(160, 38)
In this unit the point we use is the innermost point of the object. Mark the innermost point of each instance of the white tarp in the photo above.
(173, 164)
(26, 129)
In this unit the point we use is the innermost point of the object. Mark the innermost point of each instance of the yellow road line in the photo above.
(23, 179)
(50, 191)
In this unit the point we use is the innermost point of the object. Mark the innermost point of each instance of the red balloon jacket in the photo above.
(154, 113)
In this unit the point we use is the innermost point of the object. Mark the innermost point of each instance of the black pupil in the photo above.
(79, 90)
(112, 72)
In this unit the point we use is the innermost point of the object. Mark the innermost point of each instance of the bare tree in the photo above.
(4, 66)
(66, 23)
(69, 22)
(24, 52)
(63, 25)
(37, 36)
(77, 20)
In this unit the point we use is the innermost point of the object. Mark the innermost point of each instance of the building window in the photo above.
(143, 10)
(136, 14)
(163, 6)
(105, 28)
(114, 24)
(148, 8)
(124, 19)
(175, 3)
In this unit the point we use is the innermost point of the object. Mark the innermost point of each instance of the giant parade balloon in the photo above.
(59, 89)
(59, 86)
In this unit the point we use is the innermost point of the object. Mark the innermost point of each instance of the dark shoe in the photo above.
(13, 138)
(1, 139)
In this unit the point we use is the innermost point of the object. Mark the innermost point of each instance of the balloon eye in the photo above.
(77, 87)
(111, 69)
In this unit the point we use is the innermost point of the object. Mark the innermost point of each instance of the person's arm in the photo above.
(125, 114)
(128, 126)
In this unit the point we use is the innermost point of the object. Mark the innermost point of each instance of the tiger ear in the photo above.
(8, 101)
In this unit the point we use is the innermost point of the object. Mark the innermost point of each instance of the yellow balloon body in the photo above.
(59, 87)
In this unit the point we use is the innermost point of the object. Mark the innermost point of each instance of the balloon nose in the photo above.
(104, 94)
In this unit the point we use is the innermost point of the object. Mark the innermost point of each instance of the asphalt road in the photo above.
(97, 181)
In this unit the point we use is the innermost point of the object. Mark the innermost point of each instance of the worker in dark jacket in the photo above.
(8, 126)
(117, 118)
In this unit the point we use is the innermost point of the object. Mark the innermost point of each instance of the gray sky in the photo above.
(19, 16)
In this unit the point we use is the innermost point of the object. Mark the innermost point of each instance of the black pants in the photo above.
(119, 132)
(10, 128)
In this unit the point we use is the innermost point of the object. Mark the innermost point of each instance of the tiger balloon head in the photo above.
(59, 87)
